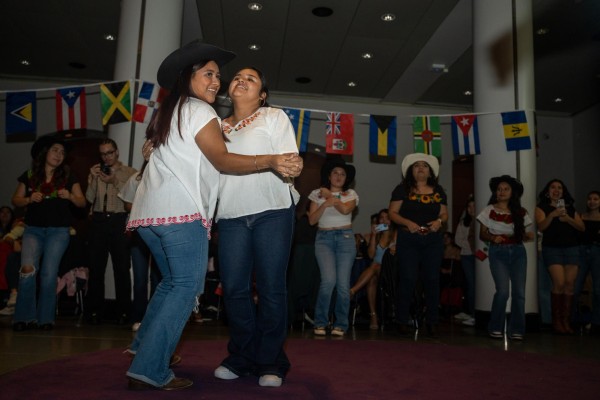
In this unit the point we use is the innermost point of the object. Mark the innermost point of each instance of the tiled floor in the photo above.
(20, 349)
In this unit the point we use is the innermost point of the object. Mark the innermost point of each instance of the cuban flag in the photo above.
(465, 135)
(70, 109)
(149, 98)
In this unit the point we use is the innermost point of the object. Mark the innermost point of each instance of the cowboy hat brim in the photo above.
(338, 162)
(47, 141)
(410, 159)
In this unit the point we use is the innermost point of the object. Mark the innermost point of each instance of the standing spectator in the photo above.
(107, 233)
(11, 231)
(256, 225)
(590, 256)
(335, 247)
(503, 225)
(465, 239)
(418, 206)
(559, 222)
(48, 190)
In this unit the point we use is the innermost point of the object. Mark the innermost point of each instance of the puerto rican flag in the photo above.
(70, 109)
(149, 98)
(465, 135)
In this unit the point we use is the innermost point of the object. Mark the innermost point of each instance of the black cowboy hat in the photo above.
(334, 163)
(192, 53)
(45, 142)
(515, 185)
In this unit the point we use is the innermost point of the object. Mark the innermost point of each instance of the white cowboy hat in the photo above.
(410, 159)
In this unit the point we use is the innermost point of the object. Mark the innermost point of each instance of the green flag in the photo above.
(116, 102)
(427, 135)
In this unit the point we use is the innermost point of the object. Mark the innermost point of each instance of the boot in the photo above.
(566, 313)
(557, 323)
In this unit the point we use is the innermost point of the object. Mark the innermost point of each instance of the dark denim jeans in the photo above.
(142, 265)
(419, 256)
(590, 263)
(256, 247)
(508, 264)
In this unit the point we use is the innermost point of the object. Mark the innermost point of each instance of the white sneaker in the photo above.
(469, 322)
(225, 373)
(12, 299)
(8, 310)
(320, 331)
(135, 327)
(270, 381)
(462, 316)
(337, 332)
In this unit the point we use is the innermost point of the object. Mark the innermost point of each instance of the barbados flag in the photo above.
(21, 116)
(300, 120)
(516, 131)
(382, 135)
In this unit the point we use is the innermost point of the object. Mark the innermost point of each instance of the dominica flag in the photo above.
(339, 133)
(116, 102)
(300, 120)
(149, 98)
(21, 113)
(427, 135)
(516, 131)
(465, 134)
(382, 135)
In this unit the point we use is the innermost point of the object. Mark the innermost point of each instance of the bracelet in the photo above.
(255, 165)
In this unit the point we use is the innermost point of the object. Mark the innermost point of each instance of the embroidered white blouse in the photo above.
(179, 184)
(332, 218)
(267, 131)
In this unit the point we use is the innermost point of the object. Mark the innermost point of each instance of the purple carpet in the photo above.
(326, 369)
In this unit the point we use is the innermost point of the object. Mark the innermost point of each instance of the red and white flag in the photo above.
(339, 133)
(149, 99)
(70, 109)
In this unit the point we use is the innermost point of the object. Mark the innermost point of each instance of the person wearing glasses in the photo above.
(107, 233)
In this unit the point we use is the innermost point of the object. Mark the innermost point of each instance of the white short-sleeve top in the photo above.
(332, 218)
(267, 131)
(179, 184)
(500, 223)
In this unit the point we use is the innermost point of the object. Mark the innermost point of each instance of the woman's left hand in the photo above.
(435, 226)
(287, 165)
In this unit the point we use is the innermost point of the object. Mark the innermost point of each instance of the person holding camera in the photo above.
(419, 207)
(559, 222)
(107, 233)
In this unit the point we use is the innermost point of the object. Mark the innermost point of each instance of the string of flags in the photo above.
(115, 100)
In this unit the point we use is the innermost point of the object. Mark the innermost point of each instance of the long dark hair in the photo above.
(160, 125)
(410, 183)
(544, 198)
(4, 229)
(38, 171)
(514, 205)
(468, 218)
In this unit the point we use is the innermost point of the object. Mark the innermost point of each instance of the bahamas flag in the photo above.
(465, 134)
(382, 135)
(516, 131)
(300, 120)
(116, 102)
(427, 135)
(21, 113)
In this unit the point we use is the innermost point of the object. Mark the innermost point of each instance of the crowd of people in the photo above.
(236, 173)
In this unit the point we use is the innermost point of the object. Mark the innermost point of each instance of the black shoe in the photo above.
(47, 327)
(24, 326)
(430, 330)
(123, 319)
(404, 331)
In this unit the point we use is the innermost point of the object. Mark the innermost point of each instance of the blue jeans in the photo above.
(508, 264)
(419, 255)
(181, 254)
(468, 265)
(590, 263)
(141, 264)
(51, 243)
(256, 247)
(335, 251)
(544, 282)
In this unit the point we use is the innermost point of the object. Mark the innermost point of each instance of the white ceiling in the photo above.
(63, 39)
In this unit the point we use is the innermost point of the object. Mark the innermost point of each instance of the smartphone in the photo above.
(560, 203)
(381, 227)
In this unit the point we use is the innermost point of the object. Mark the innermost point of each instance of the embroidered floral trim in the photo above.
(499, 217)
(182, 219)
(227, 128)
(426, 198)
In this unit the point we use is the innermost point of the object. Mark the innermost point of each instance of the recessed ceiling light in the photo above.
(303, 79)
(352, 84)
(468, 93)
(254, 47)
(367, 56)
(542, 31)
(558, 100)
(322, 11)
(388, 17)
(255, 6)
(25, 62)
(110, 37)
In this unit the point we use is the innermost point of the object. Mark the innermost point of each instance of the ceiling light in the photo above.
(322, 11)
(542, 31)
(468, 93)
(255, 6)
(558, 100)
(388, 17)
(367, 56)
(25, 62)
(352, 84)
(254, 47)
(110, 37)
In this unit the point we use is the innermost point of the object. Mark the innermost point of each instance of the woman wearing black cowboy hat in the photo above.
(175, 202)
(503, 225)
(335, 248)
(48, 190)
